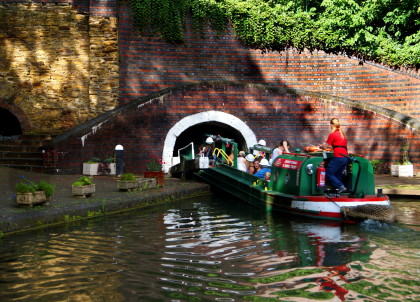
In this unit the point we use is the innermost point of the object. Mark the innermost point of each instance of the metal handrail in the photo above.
(224, 155)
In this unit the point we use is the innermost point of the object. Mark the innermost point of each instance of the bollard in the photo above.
(119, 160)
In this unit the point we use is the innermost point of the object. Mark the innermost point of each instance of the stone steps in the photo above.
(25, 152)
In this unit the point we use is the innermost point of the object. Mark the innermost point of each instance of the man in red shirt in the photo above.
(338, 141)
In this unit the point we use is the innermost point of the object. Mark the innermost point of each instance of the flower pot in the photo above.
(402, 170)
(90, 169)
(83, 191)
(158, 175)
(29, 199)
(39, 197)
(24, 198)
(113, 167)
(127, 184)
(147, 183)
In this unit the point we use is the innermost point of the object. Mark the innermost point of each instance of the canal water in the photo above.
(213, 249)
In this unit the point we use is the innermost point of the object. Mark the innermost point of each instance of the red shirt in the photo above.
(335, 139)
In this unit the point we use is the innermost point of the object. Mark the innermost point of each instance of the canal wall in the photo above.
(64, 62)
(58, 63)
(78, 69)
(150, 126)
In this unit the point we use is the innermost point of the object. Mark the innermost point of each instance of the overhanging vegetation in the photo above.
(385, 31)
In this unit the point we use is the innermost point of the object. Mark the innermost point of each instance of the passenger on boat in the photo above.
(338, 141)
(267, 176)
(200, 150)
(232, 151)
(249, 163)
(257, 153)
(241, 161)
(264, 169)
(208, 149)
(282, 147)
(257, 166)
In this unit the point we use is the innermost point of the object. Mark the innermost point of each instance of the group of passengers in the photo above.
(256, 164)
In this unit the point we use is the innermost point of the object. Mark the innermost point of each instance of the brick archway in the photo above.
(200, 118)
(18, 113)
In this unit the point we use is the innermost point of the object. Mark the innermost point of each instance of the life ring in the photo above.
(311, 149)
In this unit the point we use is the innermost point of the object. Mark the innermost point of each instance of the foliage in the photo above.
(404, 155)
(379, 166)
(108, 160)
(48, 188)
(128, 177)
(154, 164)
(22, 187)
(386, 31)
(26, 185)
(93, 160)
(84, 181)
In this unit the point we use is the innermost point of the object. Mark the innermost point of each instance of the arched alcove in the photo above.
(9, 124)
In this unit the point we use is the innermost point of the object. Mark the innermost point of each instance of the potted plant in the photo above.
(83, 187)
(379, 166)
(404, 167)
(91, 167)
(45, 187)
(107, 166)
(127, 181)
(24, 193)
(29, 193)
(154, 170)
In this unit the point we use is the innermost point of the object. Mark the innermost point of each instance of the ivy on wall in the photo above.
(386, 31)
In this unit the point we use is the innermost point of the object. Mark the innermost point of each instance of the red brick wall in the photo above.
(142, 125)
(149, 65)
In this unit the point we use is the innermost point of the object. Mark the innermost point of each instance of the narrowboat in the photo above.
(297, 184)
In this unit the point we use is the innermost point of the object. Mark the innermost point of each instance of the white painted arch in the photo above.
(200, 118)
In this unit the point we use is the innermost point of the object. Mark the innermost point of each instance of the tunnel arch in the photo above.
(211, 119)
(13, 120)
(9, 124)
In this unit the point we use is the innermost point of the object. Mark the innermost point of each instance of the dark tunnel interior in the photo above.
(197, 135)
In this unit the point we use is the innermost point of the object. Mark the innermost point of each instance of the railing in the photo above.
(222, 152)
(186, 153)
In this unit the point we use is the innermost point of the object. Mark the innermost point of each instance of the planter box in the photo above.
(39, 197)
(83, 191)
(402, 170)
(127, 184)
(106, 169)
(24, 198)
(158, 175)
(113, 167)
(147, 183)
(30, 199)
(90, 169)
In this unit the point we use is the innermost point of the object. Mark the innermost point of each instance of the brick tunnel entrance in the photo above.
(194, 128)
(9, 124)
(197, 135)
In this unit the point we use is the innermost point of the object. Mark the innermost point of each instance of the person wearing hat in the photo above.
(257, 153)
(249, 163)
(264, 168)
(208, 149)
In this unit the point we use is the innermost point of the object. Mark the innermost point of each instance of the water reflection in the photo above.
(211, 250)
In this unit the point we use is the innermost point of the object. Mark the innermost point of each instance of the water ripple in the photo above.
(202, 251)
